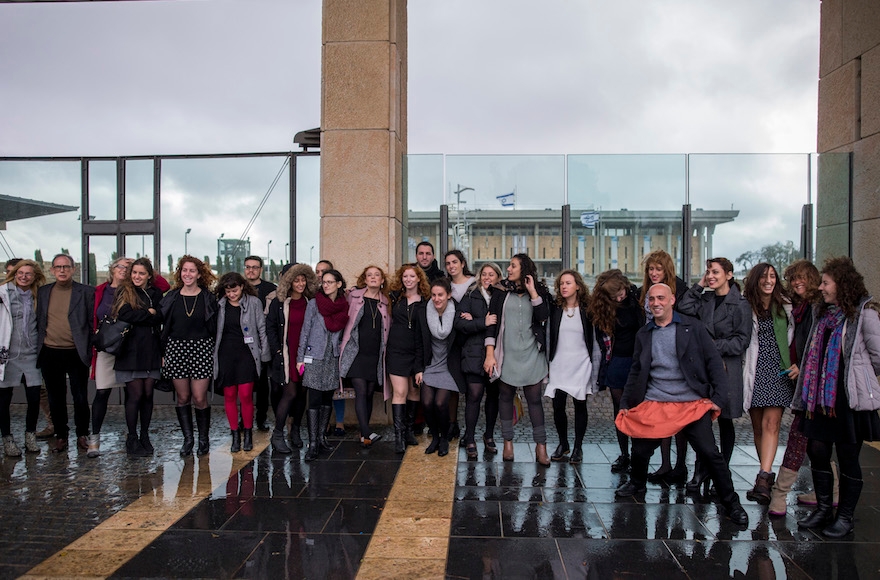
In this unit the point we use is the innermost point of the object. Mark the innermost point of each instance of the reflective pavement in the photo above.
(370, 514)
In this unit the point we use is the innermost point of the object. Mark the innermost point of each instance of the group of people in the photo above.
(673, 358)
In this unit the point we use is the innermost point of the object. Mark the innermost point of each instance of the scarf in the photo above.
(27, 305)
(486, 296)
(820, 378)
(440, 327)
(335, 312)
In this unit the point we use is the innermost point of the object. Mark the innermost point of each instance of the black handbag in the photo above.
(111, 335)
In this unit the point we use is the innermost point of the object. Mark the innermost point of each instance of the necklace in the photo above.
(373, 312)
(189, 311)
(573, 310)
(409, 310)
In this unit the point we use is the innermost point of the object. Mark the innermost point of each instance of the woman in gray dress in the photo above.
(18, 351)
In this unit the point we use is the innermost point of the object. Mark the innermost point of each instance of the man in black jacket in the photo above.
(425, 258)
(676, 362)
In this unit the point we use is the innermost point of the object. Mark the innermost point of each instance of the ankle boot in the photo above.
(203, 421)
(236, 441)
(145, 441)
(761, 491)
(247, 443)
(823, 515)
(323, 422)
(435, 442)
(784, 480)
(408, 435)
(30, 442)
(279, 445)
(398, 413)
(850, 490)
(94, 445)
(49, 430)
(443, 447)
(295, 438)
(541, 454)
(185, 418)
(507, 451)
(133, 446)
(10, 448)
(314, 435)
(561, 451)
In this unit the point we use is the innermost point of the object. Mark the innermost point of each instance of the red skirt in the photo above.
(657, 420)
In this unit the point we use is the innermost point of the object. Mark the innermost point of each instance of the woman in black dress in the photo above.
(409, 292)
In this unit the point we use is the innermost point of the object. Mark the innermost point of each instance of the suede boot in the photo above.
(823, 515)
(784, 480)
(185, 418)
(850, 490)
(203, 421)
(314, 434)
(398, 412)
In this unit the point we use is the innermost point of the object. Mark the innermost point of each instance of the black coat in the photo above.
(424, 352)
(167, 307)
(140, 351)
(556, 313)
(473, 332)
(80, 316)
(701, 364)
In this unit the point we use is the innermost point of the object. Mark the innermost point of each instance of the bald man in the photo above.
(677, 382)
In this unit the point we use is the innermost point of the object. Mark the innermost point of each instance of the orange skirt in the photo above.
(657, 420)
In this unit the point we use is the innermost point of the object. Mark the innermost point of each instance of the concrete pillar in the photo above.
(849, 122)
(363, 133)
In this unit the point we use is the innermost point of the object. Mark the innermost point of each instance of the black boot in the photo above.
(823, 515)
(295, 438)
(850, 490)
(247, 443)
(279, 445)
(398, 412)
(443, 447)
(236, 442)
(133, 446)
(434, 444)
(561, 451)
(185, 418)
(203, 422)
(314, 434)
(323, 421)
(408, 435)
(701, 479)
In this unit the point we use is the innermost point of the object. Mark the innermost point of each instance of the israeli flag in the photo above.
(507, 200)
(589, 219)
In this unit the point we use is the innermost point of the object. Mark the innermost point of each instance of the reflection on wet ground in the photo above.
(369, 514)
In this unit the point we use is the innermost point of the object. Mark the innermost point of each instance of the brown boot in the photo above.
(49, 431)
(541, 454)
(784, 480)
(761, 492)
(507, 453)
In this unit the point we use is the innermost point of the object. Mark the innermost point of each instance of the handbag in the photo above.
(111, 334)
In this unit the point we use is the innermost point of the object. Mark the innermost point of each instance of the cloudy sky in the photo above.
(485, 78)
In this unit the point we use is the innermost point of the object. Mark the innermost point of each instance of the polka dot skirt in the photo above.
(189, 359)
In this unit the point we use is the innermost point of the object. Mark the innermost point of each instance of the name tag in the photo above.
(249, 340)
(308, 360)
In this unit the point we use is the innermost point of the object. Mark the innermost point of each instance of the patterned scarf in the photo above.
(820, 378)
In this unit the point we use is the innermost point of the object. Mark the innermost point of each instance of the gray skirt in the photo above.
(126, 376)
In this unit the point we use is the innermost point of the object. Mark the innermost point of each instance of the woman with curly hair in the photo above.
(570, 350)
(138, 363)
(802, 279)
(189, 314)
(660, 269)
(768, 370)
(838, 391)
(240, 350)
(18, 342)
(716, 300)
(284, 324)
(409, 292)
(362, 356)
(317, 356)
(515, 349)
(617, 314)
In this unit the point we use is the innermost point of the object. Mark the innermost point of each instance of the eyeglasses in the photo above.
(120, 267)
(329, 282)
(25, 274)
(65, 267)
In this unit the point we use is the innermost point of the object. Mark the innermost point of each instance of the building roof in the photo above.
(19, 208)
(608, 218)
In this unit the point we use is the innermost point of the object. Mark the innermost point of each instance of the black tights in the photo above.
(363, 403)
(472, 409)
(727, 438)
(287, 394)
(622, 439)
(99, 409)
(318, 399)
(33, 409)
(560, 418)
(819, 453)
(532, 395)
(492, 394)
(436, 403)
(139, 404)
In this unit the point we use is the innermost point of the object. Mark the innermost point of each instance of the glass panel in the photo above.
(102, 251)
(102, 190)
(308, 211)
(40, 205)
(138, 189)
(139, 246)
(622, 208)
(747, 208)
(211, 209)
(423, 196)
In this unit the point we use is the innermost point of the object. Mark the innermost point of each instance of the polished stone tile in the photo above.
(376, 473)
(618, 559)
(115, 540)
(330, 471)
(82, 563)
(845, 560)
(419, 509)
(550, 520)
(418, 548)
(295, 555)
(354, 516)
(351, 450)
(562, 494)
(415, 569)
(192, 554)
(719, 559)
(476, 518)
(651, 522)
(522, 452)
(345, 490)
(210, 514)
(517, 475)
(761, 526)
(493, 493)
(139, 520)
(504, 558)
(595, 475)
(283, 514)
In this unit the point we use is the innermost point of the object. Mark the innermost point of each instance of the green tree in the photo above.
(780, 255)
(219, 263)
(93, 269)
(170, 264)
(38, 257)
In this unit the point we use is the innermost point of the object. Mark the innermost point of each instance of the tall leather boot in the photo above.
(408, 435)
(203, 422)
(850, 490)
(323, 421)
(784, 480)
(823, 515)
(398, 413)
(185, 418)
(314, 434)
(809, 498)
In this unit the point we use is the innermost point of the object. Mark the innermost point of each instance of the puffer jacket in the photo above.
(861, 353)
(751, 358)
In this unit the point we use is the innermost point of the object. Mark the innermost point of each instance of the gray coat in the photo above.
(730, 326)
(254, 320)
(313, 338)
(80, 315)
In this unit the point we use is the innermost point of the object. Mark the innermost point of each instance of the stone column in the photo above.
(363, 133)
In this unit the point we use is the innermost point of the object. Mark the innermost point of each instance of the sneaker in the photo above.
(30, 442)
(10, 448)
(374, 437)
(94, 448)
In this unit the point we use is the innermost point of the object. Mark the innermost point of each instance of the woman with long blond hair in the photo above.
(362, 356)
(409, 291)
(189, 312)
(18, 347)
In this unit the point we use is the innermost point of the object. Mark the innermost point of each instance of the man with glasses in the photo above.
(253, 270)
(65, 329)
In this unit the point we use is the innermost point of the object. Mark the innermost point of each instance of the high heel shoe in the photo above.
(490, 444)
(507, 453)
(701, 479)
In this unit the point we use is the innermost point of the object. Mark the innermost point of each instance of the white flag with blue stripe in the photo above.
(507, 200)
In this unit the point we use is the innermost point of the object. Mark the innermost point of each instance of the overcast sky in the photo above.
(485, 77)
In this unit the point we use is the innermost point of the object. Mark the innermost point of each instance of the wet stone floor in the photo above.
(375, 514)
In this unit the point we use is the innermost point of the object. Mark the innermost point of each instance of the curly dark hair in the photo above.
(207, 279)
(583, 293)
(527, 268)
(850, 285)
(806, 270)
(362, 279)
(424, 287)
(753, 293)
(604, 304)
(231, 280)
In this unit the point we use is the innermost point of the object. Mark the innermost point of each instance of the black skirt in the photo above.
(847, 426)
